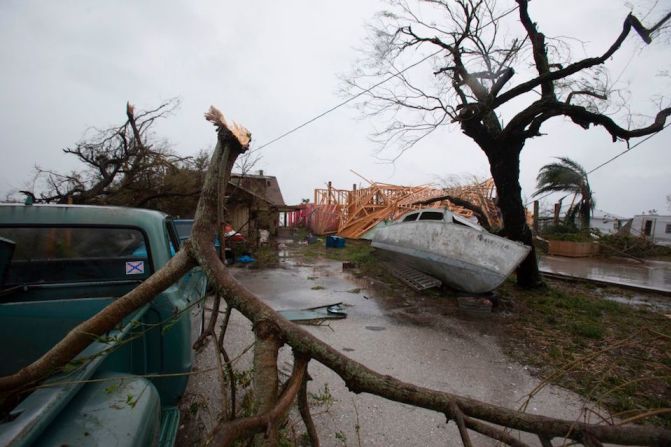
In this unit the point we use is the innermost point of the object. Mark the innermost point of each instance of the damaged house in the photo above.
(253, 203)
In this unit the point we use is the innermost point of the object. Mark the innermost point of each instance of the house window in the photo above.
(668, 229)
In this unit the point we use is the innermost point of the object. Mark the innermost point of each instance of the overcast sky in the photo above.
(70, 65)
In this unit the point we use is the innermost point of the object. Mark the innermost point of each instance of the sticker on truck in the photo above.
(134, 267)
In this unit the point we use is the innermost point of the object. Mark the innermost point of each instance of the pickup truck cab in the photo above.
(59, 265)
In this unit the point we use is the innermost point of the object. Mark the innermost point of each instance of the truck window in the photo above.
(183, 228)
(71, 254)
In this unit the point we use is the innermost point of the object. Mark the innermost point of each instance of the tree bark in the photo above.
(266, 381)
(504, 162)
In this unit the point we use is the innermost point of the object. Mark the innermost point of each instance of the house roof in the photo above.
(250, 192)
(270, 190)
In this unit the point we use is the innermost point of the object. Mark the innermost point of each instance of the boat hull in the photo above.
(463, 258)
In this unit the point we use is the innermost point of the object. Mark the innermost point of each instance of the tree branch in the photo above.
(539, 51)
(584, 92)
(358, 377)
(304, 409)
(629, 22)
(227, 433)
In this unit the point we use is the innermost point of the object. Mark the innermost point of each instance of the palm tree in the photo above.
(567, 175)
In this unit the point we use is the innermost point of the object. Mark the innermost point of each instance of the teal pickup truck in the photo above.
(59, 265)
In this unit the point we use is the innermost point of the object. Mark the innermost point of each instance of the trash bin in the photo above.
(335, 242)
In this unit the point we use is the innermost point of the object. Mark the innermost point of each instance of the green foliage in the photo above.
(111, 389)
(612, 353)
(300, 234)
(568, 176)
(588, 329)
(323, 398)
(131, 400)
(618, 245)
(243, 378)
(341, 437)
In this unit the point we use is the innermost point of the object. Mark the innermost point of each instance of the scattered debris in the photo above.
(415, 279)
(475, 305)
(351, 214)
(348, 265)
(246, 259)
(315, 314)
(317, 287)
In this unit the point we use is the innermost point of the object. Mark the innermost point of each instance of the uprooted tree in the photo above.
(273, 331)
(474, 63)
(126, 165)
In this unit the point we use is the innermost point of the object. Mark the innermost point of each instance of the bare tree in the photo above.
(126, 165)
(471, 85)
(273, 331)
(247, 162)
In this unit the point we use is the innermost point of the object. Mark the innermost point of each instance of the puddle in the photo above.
(296, 285)
(651, 274)
(652, 303)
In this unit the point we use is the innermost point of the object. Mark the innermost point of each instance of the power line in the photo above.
(610, 160)
(337, 106)
(628, 149)
(363, 92)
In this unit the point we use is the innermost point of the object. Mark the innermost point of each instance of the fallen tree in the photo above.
(273, 331)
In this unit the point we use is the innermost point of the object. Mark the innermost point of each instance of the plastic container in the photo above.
(335, 242)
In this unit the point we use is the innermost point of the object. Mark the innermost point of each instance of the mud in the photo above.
(422, 340)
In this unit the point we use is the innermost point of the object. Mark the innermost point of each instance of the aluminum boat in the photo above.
(451, 248)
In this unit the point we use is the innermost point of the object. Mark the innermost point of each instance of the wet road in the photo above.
(392, 334)
(654, 275)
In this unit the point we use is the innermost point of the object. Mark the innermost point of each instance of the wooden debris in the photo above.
(352, 213)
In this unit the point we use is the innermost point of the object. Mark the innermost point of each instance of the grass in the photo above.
(358, 252)
(610, 353)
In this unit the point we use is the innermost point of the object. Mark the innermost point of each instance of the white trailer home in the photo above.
(653, 227)
(607, 223)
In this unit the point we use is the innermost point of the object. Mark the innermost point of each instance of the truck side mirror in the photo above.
(6, 253)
